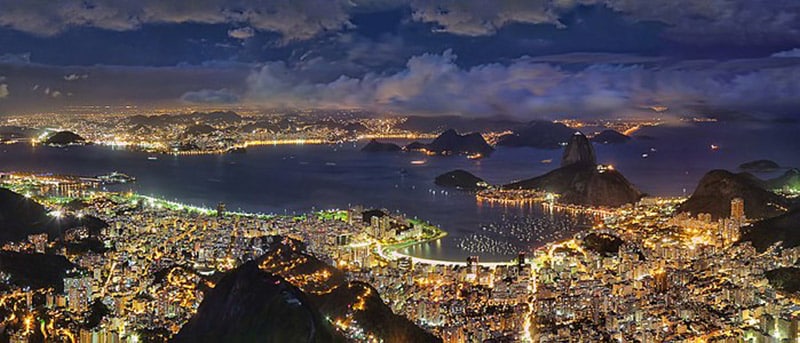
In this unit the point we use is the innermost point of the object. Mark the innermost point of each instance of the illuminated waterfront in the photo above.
(288, 179)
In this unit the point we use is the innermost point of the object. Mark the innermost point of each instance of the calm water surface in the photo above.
(288, 179)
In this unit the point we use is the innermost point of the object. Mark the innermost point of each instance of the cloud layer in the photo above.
(525, 88)
(688, 20)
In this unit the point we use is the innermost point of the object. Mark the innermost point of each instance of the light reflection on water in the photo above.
(293, 179)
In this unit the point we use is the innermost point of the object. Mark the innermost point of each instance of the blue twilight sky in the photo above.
(526, 59)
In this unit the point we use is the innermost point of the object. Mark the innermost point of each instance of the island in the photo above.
(375, 146)
(759, 166)
(581, 181)
(451, 142)
(460, 179)
(610, 137)
(64, 138)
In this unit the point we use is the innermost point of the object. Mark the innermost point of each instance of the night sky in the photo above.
(524, 59)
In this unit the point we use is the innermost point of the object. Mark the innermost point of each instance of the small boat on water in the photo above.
(152, 158)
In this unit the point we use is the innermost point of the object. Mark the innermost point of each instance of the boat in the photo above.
(330, 163)
(152, 158)
(547, 161)
(714, 147)
(418, 162)
(645, 155)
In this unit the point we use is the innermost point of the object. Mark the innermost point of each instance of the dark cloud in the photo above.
(295, 19)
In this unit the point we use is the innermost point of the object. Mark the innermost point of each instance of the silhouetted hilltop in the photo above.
(585, 185)
(537, 134)
(786, 279)
(450, 142)
(789, 180)
(460, 179)
(581, 181)
(610, 137)
(63, 138)
(251, 305)
(784, 228)
(256, 303)
(759, 166)
(336, 297)
(20, 217)
(375, 146)
(602, 243)
(35, 270)
(578, 151)
(716, 189)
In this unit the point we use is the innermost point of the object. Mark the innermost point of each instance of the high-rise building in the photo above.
(220, 209)
(737, 209)
(78, 287)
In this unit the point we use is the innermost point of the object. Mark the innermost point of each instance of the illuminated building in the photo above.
(737, 209)
(78, 288)
(220, 209)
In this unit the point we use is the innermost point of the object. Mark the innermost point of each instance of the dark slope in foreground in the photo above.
(35, 270)
(250, 305)
(337, 298)
(716, 189)
(255, 303)
(784, 228)
(786, 279)
(20, 217)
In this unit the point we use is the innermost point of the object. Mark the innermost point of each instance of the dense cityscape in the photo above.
(399, 171)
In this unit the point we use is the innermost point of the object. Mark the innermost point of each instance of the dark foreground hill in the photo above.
(785, 279)
(784, 228)
(35, 270)
(251, 305)
(20, 217)
(716, 189)
(255, 303)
